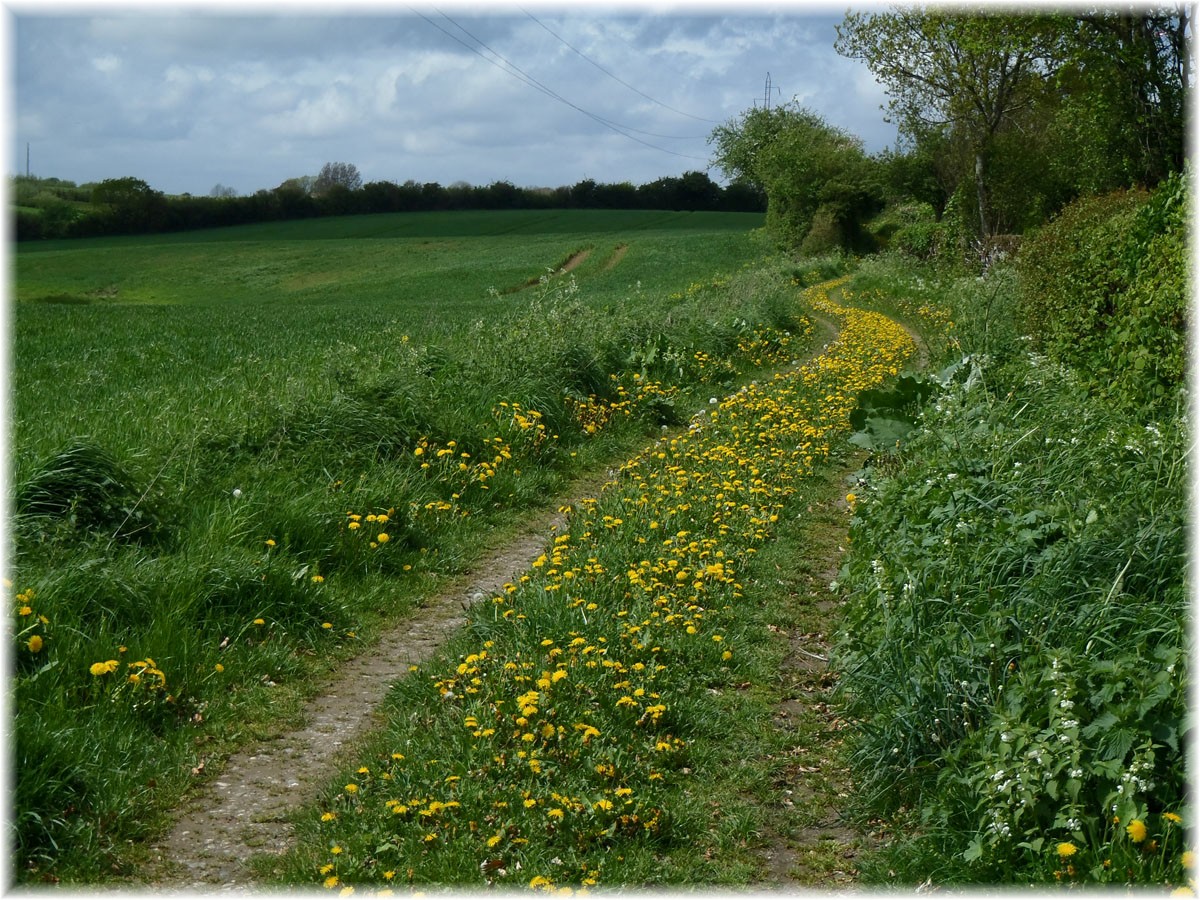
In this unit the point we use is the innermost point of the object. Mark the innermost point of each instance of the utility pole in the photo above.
(27, 159)
(767, 93)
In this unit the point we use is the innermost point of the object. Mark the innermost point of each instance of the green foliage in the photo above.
(912, 229)
(820, 186)
(1013, 641)
(884, 416)
(1071, 274)
(1017, 113)
(1104, 288)
(964, 70)
(1123, 79)
(824, 235)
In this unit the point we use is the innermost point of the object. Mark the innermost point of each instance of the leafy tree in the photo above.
(222, 192)
(804, 166)
(971, 72)
(1124, 80)
(336, 175)
(129, 205)
(302, 185)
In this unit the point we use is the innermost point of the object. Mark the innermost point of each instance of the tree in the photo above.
(334, 175)
(129, 205)
(1124, 79)
(302, 185)
(222, 192)
(973, 72)
(804, 165)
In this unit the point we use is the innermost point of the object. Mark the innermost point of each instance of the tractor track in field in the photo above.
(244, 810)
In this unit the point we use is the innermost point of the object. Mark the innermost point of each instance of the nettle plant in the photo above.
(1081, 763)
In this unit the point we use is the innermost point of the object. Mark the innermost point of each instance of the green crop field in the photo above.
(140, 342)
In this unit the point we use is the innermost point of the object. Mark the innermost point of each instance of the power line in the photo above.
(522, 75)
(516, 72)
(614, 77)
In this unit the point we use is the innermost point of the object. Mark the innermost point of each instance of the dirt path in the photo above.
(810, 845)
(245, 810)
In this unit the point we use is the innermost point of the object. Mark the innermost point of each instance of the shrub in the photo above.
(1104, 289)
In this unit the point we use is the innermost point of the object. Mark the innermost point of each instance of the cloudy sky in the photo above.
(248, 95)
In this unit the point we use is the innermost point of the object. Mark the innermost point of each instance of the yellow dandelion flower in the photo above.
(383, 537)
(331, 881)
(35, 643)
(1066, 848)
(1188, 859)
(1173, 817)
(270, 542)
(327, 625)
(219, 668)
(1136, 831)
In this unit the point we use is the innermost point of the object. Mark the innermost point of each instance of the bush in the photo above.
(1104, 289)
(824, 236)
(913, 230)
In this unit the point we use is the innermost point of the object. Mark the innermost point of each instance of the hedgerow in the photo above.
(1013, 652)
(1104, 289)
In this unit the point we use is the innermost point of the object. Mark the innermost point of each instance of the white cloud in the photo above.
(106, 64)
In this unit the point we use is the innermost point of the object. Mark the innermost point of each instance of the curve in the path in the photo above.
(244, 811)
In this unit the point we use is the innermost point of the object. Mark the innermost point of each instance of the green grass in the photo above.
(194, 333)
(153, 378)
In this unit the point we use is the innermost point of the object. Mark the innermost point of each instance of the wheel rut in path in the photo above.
(244, 811)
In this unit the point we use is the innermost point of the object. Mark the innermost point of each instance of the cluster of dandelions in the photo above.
(32, 628)
(558, 740)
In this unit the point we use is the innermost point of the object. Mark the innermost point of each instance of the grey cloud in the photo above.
(251, 101)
